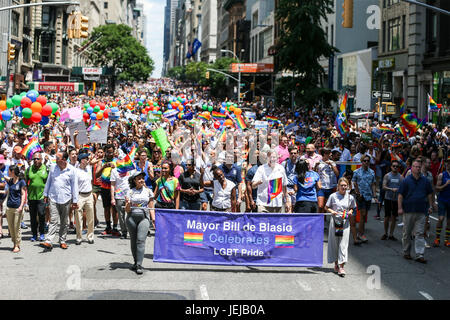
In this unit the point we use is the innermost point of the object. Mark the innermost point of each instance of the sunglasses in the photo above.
(394, 166)
(366, 161)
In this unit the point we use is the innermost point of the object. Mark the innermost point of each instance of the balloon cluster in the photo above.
(231, 108)
(94, 110)
(30, 107)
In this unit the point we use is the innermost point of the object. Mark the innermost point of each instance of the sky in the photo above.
(154, 10)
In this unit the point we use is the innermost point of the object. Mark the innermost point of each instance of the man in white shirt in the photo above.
(267, 180)
(86, 199)
(61, 191)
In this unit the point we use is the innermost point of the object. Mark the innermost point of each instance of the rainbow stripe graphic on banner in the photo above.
(402, 106)
(31, 148)
(203, 117)
(94, 127)
(274, 189)
(240, 123)
(223, 135)
(193, 239)
(124, 165)
(284, 241)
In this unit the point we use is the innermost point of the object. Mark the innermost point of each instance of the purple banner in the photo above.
(249, 239)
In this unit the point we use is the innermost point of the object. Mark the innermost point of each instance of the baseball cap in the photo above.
(336, 150)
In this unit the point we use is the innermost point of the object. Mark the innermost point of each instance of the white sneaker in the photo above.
(400, 224)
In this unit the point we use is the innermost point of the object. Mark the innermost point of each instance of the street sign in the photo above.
(386, 95)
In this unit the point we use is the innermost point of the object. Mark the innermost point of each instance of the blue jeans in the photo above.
(186, 205)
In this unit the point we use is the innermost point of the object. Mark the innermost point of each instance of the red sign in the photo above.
(251, 67)
(57, 86)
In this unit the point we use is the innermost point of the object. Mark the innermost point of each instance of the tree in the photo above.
(178, 73)
(114, 46)
(302, 43)
(218, 82)
(195, 72)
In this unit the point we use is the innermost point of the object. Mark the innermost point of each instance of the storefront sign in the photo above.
(56, 86)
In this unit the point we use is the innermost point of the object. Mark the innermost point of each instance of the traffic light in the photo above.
(252, 86)
(347, 14)
(84, 26)
(207, 75)
(11, 51)
(243, 95)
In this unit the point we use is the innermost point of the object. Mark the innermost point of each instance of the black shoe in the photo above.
(78, 242)
(133, 267)
(91, 241)
(139, 269)
(123, 236)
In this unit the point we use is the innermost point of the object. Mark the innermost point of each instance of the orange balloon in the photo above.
(238, 111)
(228, 122)
(181, 108)
(36, 107)
(3, 105)
(99, 115)
(232, 108)
(114, 104)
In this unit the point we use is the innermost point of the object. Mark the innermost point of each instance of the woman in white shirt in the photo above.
(224, 191)
(341, 205)
(86, 199)
(138, 202)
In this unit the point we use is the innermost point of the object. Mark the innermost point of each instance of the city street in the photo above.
(101, 271)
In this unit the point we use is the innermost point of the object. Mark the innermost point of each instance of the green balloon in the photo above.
(54, 107)
(140, 103)
(23, 94)
(96, 109)
(155, 104)
(16, 100)
(205, 107)
(9, 103)
(86, 105)
(210, 108)
(2, 125)
(26, 113)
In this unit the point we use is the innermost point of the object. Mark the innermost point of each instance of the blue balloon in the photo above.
(32, 95)
(93, 116)
(44, 121)
(18, 112)
(89, 110)
(6, 115)
(297, 114)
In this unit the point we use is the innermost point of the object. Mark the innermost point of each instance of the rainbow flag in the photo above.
(387, 129)
(31, 148)
(203, 117)
(223, 135)
(240, 123)
(402, 131)
(124, 165)
(402, 106)
(284, 241)
(341, 118)
(272, 119)
(274, 189)
(410, 121)
(132, 153)
(94, 127)
(432, 106)
(193, 239)
(218, 116)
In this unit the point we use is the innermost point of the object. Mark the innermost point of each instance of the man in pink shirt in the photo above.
(282, 149)
(311, 156)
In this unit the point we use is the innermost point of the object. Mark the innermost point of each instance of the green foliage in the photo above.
(302, 43)
(117, 48)
(195, 72)
(178, 73)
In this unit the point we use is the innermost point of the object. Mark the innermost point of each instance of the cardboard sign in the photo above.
(82, 137)
(261, 124)
(100, 135)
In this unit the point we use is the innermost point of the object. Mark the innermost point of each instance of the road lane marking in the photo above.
(426, 295)
(204, 292)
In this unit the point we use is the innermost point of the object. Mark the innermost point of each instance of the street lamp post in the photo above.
(239, 76)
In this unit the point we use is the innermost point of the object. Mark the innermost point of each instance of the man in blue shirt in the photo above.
(365, 188)
(412, 204)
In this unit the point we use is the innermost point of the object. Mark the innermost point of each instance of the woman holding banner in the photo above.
(138, 203)
(341, 205)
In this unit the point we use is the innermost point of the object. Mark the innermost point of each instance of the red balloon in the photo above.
(217, 125)
(86, 116)
(36, 117)
(25, 102)
(27, 121)
(42, 100)
(105, 115)
(46, 110)
(101, 105)
(92, 103)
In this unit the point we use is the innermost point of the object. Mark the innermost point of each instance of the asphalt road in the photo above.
(375, 270)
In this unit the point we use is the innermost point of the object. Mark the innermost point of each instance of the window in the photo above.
(48, 17)
(15, 24)
(383, 35)
(403, 31)
(105, 5)
(255, 20)
(394, 34)
(261, 46)
(392, 2)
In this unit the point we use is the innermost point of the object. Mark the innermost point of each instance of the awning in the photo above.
(56, 86)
